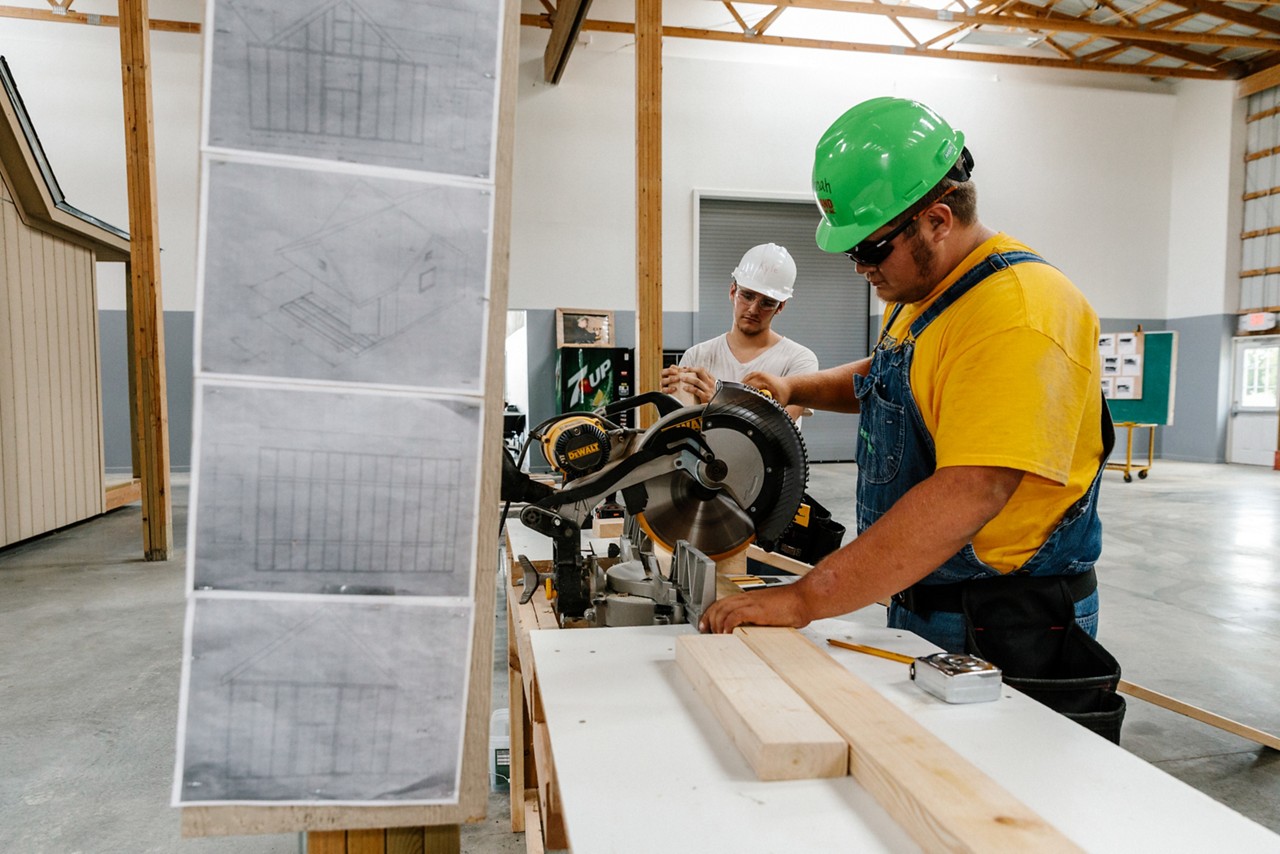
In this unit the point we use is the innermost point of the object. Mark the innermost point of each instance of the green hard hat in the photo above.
(877, 160)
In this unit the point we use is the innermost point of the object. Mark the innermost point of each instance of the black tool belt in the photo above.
(1025, 625)
(924, 599)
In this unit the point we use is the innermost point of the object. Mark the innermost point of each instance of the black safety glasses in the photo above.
(872, 253)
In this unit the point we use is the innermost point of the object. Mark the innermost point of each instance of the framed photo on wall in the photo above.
(584, 327)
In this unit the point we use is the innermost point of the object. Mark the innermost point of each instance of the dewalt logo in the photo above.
(579, 453)
(694, 423)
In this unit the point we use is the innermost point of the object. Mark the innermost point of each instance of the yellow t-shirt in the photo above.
(1009, 375)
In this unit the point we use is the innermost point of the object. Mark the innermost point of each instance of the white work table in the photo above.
(642, 765)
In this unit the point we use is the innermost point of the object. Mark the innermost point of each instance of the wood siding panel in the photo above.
(31, 494)
(51, 454)
(42, 477)
(19, 405)
(90, 499)
(97, 443)
(9, 523)
(75, 356)
(55, 286)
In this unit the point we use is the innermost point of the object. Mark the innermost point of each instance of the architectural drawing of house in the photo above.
(355, 299)
(333, 717)
(336, 72)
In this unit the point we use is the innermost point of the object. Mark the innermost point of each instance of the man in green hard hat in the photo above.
(982, 432)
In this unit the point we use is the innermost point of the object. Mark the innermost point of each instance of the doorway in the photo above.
(1254, 427)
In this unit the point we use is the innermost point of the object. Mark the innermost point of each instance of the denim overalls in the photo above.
(895, 452)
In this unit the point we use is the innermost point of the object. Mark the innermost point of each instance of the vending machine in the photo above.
(590, 377)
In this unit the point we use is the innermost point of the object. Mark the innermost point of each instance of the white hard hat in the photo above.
(767, 269)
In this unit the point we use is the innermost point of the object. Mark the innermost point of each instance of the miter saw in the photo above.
(703, 482)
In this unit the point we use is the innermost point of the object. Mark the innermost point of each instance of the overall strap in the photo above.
(993, 263)
(888, 324)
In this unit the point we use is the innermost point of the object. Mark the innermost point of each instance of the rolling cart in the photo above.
(1127, 466)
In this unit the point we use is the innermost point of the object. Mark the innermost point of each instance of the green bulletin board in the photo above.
(1159, 376)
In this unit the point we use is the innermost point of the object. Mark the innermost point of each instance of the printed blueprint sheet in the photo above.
(310, 491)
(336, 277)
(324, 701)
(400, 83)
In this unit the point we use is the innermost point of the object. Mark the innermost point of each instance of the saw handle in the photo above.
(531, 576)
(664, 403)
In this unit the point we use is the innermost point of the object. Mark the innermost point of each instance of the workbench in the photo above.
(621, 755)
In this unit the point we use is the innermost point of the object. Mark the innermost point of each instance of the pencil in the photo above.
(871, 650)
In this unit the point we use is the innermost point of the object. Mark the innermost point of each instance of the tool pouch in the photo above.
(1026, 626)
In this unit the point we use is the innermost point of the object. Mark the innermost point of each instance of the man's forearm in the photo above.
(831, 389)
(929, 524)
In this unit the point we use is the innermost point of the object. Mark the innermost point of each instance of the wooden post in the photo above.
(648, 200)
(147, 315)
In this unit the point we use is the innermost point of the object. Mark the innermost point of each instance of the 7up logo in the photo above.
(584, 385)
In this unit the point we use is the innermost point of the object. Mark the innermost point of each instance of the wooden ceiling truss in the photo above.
(1195, 39)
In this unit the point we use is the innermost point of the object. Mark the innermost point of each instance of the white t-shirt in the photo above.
(782, 359)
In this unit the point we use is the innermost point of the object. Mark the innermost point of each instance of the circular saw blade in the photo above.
(679, 509)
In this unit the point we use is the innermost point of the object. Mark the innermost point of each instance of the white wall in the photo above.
(70, 80)
(1077, 165)
(1206, 211)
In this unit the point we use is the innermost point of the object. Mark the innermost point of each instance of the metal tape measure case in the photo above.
(957, 678)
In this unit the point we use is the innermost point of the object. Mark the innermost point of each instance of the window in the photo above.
(1260, 373)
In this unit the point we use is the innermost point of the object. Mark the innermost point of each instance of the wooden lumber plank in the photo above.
(598, 26)
(778, 561)
(606, 529)
(531, 817)
(936, 795)
(1254, 83)
(120, 494)
(781, 737)
(565, 24)
(1064, 25)
(366, 842)
(515, 717)
(476, 759)
(733, 564)
(526, 619)
(327, 842)
(648, 201)
(144, 285)
(553, 830)
(405, 840)
(442, 839)
(191, 27)
(1173, 704)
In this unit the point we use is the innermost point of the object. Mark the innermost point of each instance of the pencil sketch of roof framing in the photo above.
(1198, 39)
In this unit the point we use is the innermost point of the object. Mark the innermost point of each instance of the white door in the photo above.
(1255, 401)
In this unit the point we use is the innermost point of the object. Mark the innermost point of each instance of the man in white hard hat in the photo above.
(762, 283)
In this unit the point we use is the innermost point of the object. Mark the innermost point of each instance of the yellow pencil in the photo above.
(871, 650)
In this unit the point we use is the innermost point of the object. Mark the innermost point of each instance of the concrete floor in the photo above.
(91, 637)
